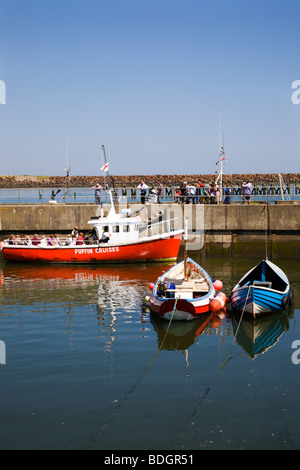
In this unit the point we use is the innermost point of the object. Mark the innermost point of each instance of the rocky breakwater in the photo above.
(26, 181)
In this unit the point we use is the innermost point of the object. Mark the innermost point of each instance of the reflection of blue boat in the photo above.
(264, 289)
(258, 335)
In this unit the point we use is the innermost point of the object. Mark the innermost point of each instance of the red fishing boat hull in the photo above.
(151, 250)
(179, 309)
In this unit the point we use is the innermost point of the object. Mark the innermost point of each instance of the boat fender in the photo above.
(151, 286)
(291, 296)
(218, 302)
(284, 303)
(218, 285)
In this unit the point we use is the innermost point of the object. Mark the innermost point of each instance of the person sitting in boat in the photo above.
(105, 236)
(75, 232)
(80, 239)
(18, 240)
(12, 240)
(69, 239)
(50, 241)
(90, 237)
(74, 240)
(56, 240)
(43, 241)
(27, 240)
(35, 240)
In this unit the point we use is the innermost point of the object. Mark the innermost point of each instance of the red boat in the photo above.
(117, 238)
(186, 292)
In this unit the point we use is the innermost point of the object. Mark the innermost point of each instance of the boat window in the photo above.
(126, 228)
(115, 228)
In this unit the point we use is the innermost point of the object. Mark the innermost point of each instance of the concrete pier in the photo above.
(228, 230)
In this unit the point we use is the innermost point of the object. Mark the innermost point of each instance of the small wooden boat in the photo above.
(263, 289)
(184, 292)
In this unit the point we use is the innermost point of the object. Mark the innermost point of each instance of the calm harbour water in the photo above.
(86, 367)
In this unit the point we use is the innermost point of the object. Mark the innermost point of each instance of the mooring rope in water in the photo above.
(204, 395)
(123, 401)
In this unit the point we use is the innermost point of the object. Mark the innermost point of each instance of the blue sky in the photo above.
(149, 79)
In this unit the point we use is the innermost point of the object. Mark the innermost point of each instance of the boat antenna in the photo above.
(185, 247)
(68, 170)
(222, 159)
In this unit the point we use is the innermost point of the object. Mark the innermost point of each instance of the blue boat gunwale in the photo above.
(164, 299)
(249, 291)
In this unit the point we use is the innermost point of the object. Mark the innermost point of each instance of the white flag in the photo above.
(105, 167)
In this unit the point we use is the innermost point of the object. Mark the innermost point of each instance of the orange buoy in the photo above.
(218, 285)
(218, 302)
(151, 286)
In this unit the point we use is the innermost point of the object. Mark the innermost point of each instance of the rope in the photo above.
(123, 401)
(227, 360)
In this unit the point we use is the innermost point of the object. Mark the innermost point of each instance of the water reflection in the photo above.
(258, 335)
(116, 293)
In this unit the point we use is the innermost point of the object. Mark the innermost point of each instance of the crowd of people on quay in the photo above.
(187, 193)
(196, 194)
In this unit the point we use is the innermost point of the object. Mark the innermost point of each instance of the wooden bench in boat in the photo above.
(188, 289)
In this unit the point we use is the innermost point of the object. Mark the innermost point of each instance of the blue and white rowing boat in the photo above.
(264, 289)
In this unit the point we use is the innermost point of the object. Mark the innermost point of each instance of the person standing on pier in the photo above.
(143, 188)
(159, 192)
(227, 199)
(246, 191)
(97, 189)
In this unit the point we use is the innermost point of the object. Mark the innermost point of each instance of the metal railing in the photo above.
(260, 193)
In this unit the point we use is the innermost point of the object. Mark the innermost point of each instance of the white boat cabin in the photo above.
(116, 228)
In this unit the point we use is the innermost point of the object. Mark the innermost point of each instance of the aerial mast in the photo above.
(222, 158)
(68, 170)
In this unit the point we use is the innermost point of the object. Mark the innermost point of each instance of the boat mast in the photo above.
(222, 159)
(109, 178)
(68, 169)
(106, 164)
(185, 248)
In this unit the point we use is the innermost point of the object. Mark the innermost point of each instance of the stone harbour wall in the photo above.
(234, 230)
(27, 181)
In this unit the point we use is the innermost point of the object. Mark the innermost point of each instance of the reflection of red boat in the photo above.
(131, 272)
(179, 335)
(117, 238)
